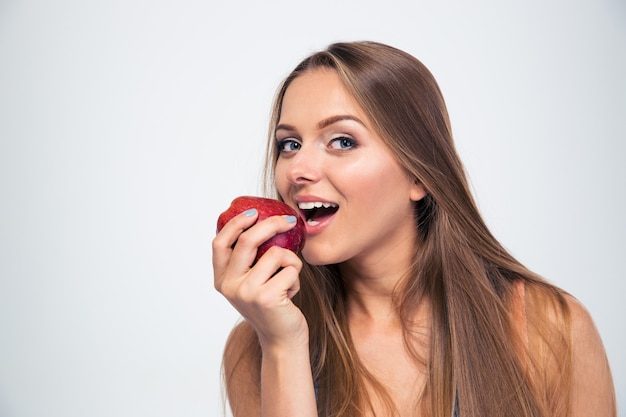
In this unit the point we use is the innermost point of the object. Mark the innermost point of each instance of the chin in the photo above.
(311, 258)
(320, 258)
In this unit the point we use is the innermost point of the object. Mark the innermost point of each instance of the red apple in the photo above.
(293, 239)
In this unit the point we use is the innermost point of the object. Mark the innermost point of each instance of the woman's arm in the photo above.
(287, 384)
(242, 371)
(272, 376)
(268, 383)
(592, 392)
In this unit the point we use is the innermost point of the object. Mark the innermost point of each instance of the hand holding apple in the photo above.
(293, 239)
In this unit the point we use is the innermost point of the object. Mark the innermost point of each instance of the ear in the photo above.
(417, 191)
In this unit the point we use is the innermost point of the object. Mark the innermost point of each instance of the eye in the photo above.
(342, 142)
(287, 145)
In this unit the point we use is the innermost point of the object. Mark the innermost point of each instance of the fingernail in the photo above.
(290, 219)
(250, 212)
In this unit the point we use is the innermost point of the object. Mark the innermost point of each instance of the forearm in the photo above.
(287, 384)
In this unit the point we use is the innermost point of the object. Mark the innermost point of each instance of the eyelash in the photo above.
(341, 140)
(280, 145)
(344, 143)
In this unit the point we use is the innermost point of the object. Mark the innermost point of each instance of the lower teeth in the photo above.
(311, 222)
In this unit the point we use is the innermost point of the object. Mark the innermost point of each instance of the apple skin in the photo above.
(293, 239)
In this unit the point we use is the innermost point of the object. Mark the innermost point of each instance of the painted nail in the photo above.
(290, 219)
(250, 212)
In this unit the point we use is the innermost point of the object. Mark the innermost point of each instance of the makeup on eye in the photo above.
(342, 143)
(287, 145)
(335, 133)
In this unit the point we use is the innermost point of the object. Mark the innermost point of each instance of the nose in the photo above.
(304, 167)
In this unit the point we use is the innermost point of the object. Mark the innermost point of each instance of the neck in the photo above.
(370, 291)
(372, 278)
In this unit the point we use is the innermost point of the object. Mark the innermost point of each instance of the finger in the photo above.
(249, 241)
(272, 262)
(223, 242)
(248, 287)
(290, 278)
(240, 259)
(277, 292)
(260, 291)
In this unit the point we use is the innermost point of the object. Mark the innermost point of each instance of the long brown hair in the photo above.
(479, 360)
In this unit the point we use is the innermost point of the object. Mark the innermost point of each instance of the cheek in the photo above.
(383, 189)
(378, 175)
(280, 179)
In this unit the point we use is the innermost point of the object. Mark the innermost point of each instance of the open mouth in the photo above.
(316, 212)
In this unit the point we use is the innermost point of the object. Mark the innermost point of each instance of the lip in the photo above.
(311, 198)
(320, 226)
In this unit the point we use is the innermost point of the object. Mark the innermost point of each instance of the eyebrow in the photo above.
(326, 122)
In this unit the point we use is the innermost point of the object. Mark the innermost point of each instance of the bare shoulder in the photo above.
(570, 365)
(242, 371)
(592, 384)
(584, 331)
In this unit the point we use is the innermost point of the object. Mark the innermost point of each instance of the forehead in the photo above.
(318, 93)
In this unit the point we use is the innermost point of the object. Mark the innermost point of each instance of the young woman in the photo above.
(402, 303)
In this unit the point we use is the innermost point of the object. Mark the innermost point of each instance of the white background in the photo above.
(127, 126)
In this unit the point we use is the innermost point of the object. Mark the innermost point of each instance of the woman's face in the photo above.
(356, 199)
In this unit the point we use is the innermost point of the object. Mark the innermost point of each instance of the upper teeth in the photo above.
(315, 204)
